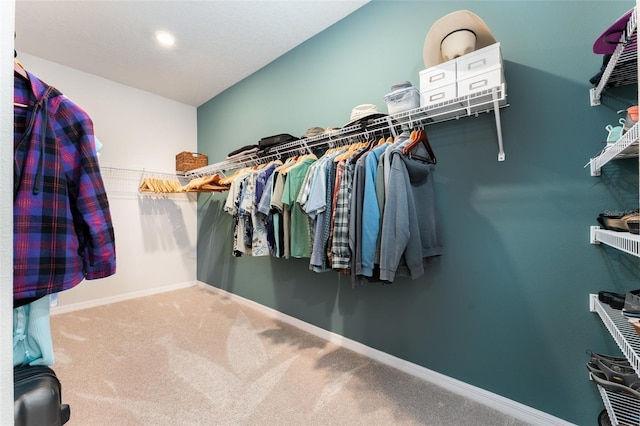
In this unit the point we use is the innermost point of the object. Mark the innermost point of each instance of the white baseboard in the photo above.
(119, 298)
(490, 399)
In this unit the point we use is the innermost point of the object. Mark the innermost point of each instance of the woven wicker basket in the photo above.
(186, 161)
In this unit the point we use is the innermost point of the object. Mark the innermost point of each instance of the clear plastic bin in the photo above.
(402, 100)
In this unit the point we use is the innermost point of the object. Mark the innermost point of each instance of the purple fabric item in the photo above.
(608, 40)
(61, 219)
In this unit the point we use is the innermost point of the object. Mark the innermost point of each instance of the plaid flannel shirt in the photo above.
(61, 219)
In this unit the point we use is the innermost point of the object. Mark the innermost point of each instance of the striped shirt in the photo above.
(340, 252)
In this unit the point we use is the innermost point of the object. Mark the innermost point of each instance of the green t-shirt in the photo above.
(300, 237)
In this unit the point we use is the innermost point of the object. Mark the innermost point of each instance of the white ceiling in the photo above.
(218, 42)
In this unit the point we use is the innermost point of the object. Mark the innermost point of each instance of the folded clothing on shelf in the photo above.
(247, 149)
(632, 303)
(270, 141)
(595, 80)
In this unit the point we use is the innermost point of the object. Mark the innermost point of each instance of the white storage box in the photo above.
(479, 82)
(438, 95)
(402, 100)
(467, 74)
(478, 62)
(438, 76)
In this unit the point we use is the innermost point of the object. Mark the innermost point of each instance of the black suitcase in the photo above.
(37, 397)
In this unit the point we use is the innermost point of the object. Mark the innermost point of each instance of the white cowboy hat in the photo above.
(452, 27)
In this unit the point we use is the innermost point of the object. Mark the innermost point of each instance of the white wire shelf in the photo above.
(623, 241)
(623, 409)
(622, 68)
(120, 181)
(473, 104)
(491, 99)
(625, 147)
(620, 328)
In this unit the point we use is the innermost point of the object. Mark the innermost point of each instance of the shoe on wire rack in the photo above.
(603, 418)
(615, 378)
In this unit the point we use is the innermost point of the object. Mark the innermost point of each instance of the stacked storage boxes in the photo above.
(479, 70)
(438, 84)
(474, 72)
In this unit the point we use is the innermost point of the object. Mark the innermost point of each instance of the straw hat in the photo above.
(360, 112)
(313, 131)
(459, 42)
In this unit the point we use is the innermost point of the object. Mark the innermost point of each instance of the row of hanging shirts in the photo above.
(365, 209)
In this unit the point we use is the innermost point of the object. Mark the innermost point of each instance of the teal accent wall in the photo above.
(506, 307)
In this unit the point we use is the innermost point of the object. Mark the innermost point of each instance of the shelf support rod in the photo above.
(593, 238)
(496, 113)
(595, 167)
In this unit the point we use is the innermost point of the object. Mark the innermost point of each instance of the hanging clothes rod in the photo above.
(124, 172)
(306, 145)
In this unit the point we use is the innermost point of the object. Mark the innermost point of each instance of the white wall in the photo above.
(155, 237)
(7, 25)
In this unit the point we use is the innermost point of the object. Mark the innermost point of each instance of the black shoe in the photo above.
(615, 300)
(603, 418)
(609, 359)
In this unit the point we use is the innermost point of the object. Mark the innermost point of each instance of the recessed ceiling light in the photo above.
(165, 38)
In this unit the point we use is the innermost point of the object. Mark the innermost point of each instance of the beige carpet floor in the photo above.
(195, 357)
